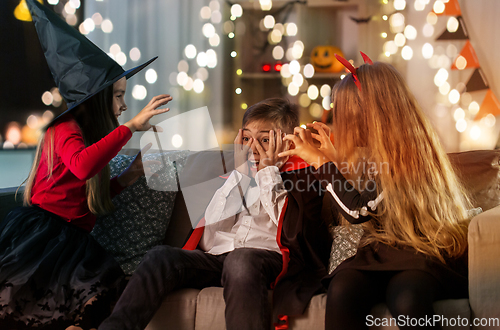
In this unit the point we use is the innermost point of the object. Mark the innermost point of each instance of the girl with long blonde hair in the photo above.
(413, 209)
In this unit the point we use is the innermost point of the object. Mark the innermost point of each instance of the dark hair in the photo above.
(279, 111)
(95, 116)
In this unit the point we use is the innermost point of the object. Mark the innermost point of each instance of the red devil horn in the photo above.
(351, 68)
(346, 63)
(366, 58)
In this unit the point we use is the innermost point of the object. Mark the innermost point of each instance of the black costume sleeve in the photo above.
(354, 206)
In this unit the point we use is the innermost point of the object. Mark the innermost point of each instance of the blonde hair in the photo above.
(95, 119)
(424, 206)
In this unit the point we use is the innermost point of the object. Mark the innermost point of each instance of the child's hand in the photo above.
(136, 169)
(241, 151)
(323, 137)
(304, 147)
(141, 121)
(271, 157)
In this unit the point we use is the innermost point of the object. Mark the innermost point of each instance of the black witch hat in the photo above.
(80, 69)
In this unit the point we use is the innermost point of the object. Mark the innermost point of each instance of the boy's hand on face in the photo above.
(241, 151)
(270, 156)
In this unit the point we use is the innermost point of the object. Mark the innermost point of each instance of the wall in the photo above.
(481, 19)
(15, 166)
(162, 28)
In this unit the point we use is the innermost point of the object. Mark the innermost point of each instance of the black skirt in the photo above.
(49, 269)
(377, 257)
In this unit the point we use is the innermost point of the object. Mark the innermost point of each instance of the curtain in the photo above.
(162, 28)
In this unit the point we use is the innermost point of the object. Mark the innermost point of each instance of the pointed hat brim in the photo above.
(127, 74)
(79, 67)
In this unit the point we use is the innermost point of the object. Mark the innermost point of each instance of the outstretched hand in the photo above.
(304, 147)
(141, 121)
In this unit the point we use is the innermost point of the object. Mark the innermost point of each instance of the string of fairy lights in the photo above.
(199, 60)
(440, 57)
(295, 69)
(287, 50)
(193, 68)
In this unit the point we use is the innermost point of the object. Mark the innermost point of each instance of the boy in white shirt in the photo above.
(240, 247)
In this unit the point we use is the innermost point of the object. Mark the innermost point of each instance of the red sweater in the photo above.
(64, 194)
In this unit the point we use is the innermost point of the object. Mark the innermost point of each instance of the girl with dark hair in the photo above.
(52, 272)
(51, 267)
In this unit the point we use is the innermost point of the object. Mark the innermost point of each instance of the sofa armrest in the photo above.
(484, 265)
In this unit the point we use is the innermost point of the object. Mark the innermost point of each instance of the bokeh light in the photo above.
(427, 50)
(135, 54)
(461, 125)
(236, 10)
(313, 92)
(291, 29)
(139, 92)
(107, 26)
(198, 86)
(190, 51)
(308, 70)
(151, 76)
(278, 52)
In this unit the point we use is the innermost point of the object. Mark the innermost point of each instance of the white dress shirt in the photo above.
(228, 225)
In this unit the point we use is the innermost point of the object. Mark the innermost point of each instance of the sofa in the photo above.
(204, 309)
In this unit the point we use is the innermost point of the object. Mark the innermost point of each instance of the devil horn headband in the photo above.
(352, 69)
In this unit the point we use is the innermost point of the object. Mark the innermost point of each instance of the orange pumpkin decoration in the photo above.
(323, 59)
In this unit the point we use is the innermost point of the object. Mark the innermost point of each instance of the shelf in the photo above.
(332, 3)
(250, 5)
(319, 23)
(261, 75)
(321, 75)
(275, 75)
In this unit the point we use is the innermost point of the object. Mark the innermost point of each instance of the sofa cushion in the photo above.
(210, 307)
(178, 311)
(142, 214)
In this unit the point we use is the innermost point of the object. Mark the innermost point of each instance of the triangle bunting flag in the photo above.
(477, 82)
(459, 34)
(466, 59)
(490, 105)
(452, 8)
